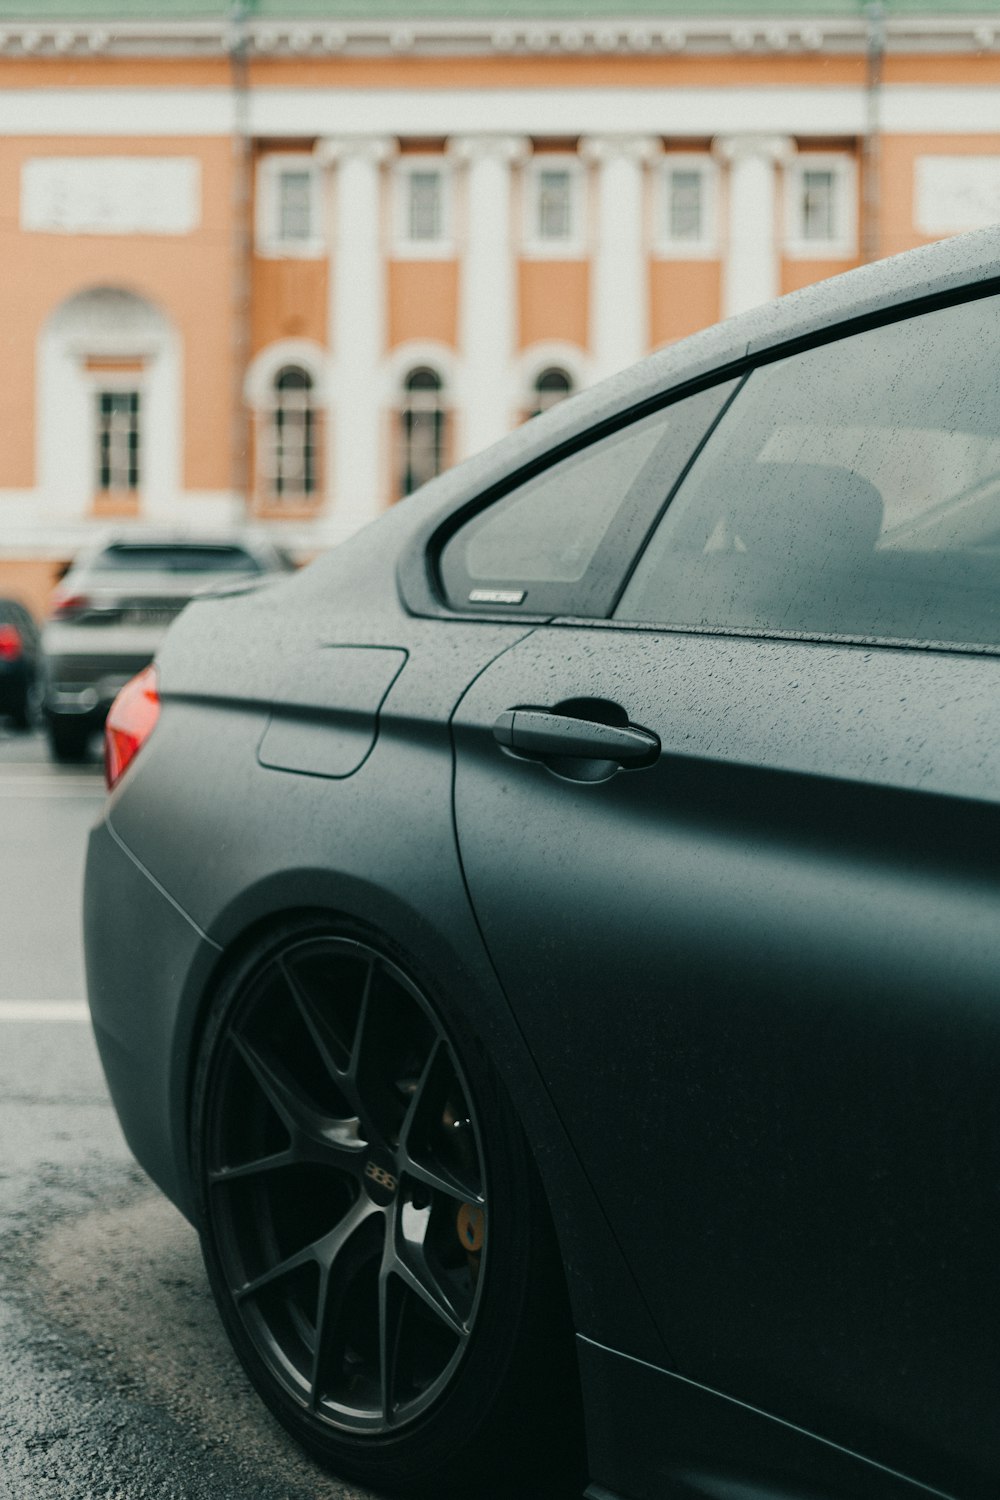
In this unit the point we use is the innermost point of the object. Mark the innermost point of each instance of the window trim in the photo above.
(533, 246)
(269, 241)
(842, 246)
(403, 247)
(667, 246)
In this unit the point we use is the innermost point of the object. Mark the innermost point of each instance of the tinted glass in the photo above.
(146, 557)
(853, 489)
(549, 535)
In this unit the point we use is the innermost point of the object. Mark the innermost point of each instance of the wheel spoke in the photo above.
(425, 1102)
(323, 1320)
(353, 1081)
(313, 1136)
(441, 1180)
(390, 1307)
(294, 1109)
(282, 1268)
(313, 1017)
(416, 1273)
(326, 1251)
(419, 1097)
(361, 1040)
(260, 1164)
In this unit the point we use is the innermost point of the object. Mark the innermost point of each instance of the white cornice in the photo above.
(399, 38)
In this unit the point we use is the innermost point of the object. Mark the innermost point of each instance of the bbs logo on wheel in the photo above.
(381, 1176)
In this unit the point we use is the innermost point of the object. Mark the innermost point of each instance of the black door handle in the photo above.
(532, 731)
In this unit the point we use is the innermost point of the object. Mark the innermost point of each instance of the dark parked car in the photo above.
(551, 946)
(18, 663)
(110, 613)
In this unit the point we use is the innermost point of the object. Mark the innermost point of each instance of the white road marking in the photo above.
(47, 786)
(43, 1010)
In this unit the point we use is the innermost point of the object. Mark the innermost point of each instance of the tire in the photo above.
(68, 740)
(374, 1231)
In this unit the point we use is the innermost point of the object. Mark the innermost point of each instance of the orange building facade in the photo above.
(283, 274)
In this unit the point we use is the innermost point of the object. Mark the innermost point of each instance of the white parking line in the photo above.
(43, 1010)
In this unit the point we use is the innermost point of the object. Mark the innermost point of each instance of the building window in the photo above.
(118, 452)
(554, 204)
(289, 451)
(686, 211)
(288, 206)
(294, 189)
(820, 208)
(423, 423)
(423, 207)
(819, 205)
(553, 212)
(549, 388)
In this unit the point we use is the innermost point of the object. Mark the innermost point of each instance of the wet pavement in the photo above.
(118, 1382)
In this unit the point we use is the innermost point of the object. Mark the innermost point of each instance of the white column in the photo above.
(751, 274)
(619, 269)
(487, 317)
(357, 328)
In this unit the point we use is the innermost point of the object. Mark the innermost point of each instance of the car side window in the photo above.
(560, 541)
(851, 489)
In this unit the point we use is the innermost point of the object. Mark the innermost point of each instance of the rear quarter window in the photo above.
(560, 541)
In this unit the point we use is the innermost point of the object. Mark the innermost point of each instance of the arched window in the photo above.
(551, 386)
(289, 456)
(423, 421)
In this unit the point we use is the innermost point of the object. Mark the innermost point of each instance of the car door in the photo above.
(733, 854)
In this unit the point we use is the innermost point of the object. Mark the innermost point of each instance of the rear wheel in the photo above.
(374, 1232)
(22, 713)
(69, 740)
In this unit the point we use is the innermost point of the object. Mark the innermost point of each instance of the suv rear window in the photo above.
(156, 557)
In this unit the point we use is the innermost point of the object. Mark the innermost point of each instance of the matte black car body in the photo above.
(744, 1001)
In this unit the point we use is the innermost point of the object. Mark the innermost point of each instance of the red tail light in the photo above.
(64, 605)
(11, 645)
(131, 720)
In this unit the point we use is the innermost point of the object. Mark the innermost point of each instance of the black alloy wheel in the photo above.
(347, 1220)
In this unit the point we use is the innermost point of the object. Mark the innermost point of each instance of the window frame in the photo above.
(844, 244)
(268, 237)
(667, 246)
(533, 245)
(405, 168)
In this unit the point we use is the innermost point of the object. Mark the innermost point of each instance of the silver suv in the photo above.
(110, 612)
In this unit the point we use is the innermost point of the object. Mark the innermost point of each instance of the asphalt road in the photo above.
(117, 1381)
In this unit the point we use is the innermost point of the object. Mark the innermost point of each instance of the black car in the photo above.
(551, 947)
(112, 609)
(18, 663)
